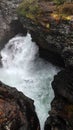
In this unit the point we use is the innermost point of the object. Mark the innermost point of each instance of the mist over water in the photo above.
(25, 70)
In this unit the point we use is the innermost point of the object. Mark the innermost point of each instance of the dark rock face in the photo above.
(9, 23)
(17, 111)
(58, 40)
(55, 123)
(61, 114)
(63, 84)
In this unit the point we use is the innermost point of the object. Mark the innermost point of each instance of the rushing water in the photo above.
(30, 74)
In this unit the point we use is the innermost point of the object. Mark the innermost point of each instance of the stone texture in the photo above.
(17, 111)
(63, 84)
(9, 24)
(61, 114)
(58, 40)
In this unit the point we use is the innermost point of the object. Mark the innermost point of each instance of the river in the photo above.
(24, 69)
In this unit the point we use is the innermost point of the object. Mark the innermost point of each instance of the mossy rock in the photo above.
(30, 9)
(33, 9)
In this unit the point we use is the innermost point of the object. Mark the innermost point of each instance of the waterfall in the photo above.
(24, 69)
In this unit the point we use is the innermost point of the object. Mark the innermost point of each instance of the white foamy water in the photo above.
(23, 69)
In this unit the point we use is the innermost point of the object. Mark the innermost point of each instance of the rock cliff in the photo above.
(9, 24)
(17, 111)
(61, 114)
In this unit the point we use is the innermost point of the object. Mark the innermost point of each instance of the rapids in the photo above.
(24, 69)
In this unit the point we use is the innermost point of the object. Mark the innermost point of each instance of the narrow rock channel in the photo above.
(24, 69)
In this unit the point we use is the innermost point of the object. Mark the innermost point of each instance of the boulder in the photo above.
(17, 112)
(63, 84)
(61, 114)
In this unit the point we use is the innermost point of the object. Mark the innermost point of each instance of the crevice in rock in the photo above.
(52, 57)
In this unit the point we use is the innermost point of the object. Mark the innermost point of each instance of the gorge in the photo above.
(24, 69)
(54, 38)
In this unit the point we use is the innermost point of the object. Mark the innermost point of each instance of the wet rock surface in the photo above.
(9, 24)
(58, 40)
(61, 114)
(17, 111)
(63, 84)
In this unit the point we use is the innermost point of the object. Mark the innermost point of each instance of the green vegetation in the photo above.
(29, 8)
(59, 1)
(38, 11)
